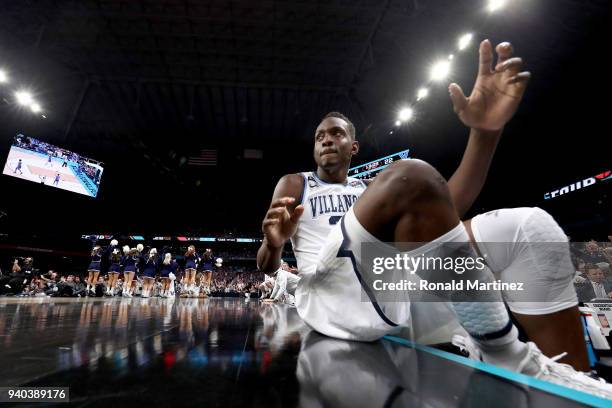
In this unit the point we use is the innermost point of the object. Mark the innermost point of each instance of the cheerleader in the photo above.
(149, 271)
(115, 268)
(168, 267)
(207, 262)
(191, 262)
(94, 269)
(129, 269)
(137, 282)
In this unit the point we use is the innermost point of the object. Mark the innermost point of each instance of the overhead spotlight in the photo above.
(423, 92)
(440, 70)
(406, 114)
(450, 57)
(35, 107)
(398, 123)
(24, 98)
(3, 77)
(391, 132)
(495, 5)
(465, 40)
(44, 117)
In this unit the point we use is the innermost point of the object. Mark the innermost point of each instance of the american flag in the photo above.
(207, 157)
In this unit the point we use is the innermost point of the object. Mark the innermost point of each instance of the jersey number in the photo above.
(333, 220)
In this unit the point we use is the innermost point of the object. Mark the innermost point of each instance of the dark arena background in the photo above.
(175, 120)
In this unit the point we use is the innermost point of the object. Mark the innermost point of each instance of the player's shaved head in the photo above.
(350, 127)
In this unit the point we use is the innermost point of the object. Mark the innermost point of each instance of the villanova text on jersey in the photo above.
(326, 204)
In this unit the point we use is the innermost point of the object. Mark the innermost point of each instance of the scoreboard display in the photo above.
(369, 170)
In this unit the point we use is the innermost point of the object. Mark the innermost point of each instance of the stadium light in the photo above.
(3, 76)
(465, 40)
(440, 70)
(35, 107)
(450, 57)
(24, 98)
(495, 5)
(398, 123)
(406, 114)
(423, 92)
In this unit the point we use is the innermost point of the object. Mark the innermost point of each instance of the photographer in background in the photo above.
(14, 283)
(50, 281)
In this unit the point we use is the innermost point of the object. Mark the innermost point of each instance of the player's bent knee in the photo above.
(549, 243)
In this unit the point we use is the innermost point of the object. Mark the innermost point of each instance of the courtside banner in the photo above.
(579, 185)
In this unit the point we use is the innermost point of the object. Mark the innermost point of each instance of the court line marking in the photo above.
(558, 390)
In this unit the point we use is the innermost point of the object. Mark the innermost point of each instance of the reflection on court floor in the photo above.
(232, 352)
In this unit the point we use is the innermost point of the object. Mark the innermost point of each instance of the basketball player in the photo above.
(18, 168)
(410, 202)
(49, 163)
(285, 284)
(57, 180)
(266, 287)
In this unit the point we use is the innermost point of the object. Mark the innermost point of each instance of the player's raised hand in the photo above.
(280, 221)
(497, 91)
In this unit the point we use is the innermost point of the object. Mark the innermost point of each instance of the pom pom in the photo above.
(139, 247)
(114, 242)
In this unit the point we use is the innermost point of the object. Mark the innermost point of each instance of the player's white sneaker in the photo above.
(536, 364)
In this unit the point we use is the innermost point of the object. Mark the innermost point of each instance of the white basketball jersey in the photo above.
(324, 205)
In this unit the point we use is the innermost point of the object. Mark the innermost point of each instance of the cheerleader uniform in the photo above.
(150, 267)
(207, 264)
(94, 265)
(130, 263)
(115, 267)
(167, 269)
(191, 261)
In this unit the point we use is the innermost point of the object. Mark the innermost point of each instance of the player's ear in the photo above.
(355, 148)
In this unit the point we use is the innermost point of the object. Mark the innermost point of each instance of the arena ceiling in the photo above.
(142, 85)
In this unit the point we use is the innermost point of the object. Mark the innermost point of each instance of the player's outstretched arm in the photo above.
(280, 221)
(492, 103)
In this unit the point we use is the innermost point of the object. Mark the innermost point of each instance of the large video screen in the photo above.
(34, 160)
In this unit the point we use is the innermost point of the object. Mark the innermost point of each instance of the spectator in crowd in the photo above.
(607, 252)
(50, 281)
(605, 268)
(79, 287)
(595, 287)
(66, 287)
(593, 253)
